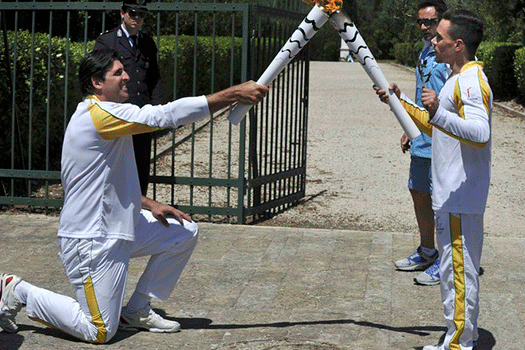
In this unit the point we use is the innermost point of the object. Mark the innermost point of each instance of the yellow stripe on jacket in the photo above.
(110, 127)
(485, 90)
(421, 117)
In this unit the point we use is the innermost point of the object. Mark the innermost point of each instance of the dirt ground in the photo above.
(357, 174)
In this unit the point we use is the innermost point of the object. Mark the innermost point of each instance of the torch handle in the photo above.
(268, 76)
(238, 113)
(411, 130)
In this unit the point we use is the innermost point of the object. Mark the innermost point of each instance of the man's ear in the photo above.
(459, 45)
(97, 83)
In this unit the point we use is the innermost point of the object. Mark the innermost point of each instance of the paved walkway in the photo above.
(251, 287)
(257, 287)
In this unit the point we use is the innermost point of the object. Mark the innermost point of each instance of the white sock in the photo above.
(138, 302)
(428, 251)
(21, 290)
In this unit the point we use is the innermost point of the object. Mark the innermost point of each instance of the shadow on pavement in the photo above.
(486, 340)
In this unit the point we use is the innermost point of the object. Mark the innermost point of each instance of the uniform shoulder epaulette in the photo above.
(109, 31)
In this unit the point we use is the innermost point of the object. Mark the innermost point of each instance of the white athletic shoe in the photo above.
(417, 261)
(9, 304)
(429, 277)
(442, 347)
(146, 319)
(433, 347)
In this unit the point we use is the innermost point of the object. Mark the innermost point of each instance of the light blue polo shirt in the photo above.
(433, 75)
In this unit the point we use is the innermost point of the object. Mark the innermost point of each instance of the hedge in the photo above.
(498, 58)
(407, 53)
(30, 129)
(183, 47)
(325, 45)
(519, 72)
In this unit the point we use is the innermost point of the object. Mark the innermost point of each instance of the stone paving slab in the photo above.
(251, 288)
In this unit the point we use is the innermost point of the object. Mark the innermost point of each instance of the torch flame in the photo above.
(328, 6)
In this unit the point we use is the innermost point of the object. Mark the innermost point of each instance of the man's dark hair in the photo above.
(439, 5)
(466, 26)
(94, 66)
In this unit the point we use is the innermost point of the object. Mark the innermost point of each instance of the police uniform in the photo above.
(144, 86)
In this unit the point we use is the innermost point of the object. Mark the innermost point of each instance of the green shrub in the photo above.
(325, 45)
(498, 58)
(40, 102)
(519, 72)
(183, 76)
(407, 53)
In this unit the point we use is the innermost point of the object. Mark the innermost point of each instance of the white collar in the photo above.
(125, 30)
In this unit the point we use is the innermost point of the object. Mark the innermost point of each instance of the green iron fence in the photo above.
(211, 169)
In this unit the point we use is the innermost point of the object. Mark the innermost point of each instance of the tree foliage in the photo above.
(383, 23)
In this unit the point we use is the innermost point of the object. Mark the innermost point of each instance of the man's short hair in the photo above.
(439, 5)
(466, 26)
(94, 66)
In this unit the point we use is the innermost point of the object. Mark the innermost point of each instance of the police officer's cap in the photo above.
(139, 5)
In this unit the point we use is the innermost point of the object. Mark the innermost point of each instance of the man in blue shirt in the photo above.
(432, 75)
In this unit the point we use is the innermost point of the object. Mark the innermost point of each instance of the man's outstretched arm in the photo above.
(248, 93)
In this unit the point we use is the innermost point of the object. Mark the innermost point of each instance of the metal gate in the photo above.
(212, 169)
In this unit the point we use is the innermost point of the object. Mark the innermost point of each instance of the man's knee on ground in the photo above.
(104, 335)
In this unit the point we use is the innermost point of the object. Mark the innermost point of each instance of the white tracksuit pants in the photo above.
(460, 242)
(97, 269)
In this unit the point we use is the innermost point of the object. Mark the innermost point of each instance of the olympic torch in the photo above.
(317, 17)
(348, 31)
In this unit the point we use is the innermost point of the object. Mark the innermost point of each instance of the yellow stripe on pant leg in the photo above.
(47, 324)
(459, 280)
(95, 311)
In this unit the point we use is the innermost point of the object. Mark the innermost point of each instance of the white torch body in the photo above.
(348, 31)
(315, 19)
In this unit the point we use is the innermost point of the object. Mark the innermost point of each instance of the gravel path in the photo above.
(357, 174)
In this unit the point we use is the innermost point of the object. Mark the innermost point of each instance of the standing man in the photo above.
(138, 53)
(432, 75)
(105, 221)
(460, 123)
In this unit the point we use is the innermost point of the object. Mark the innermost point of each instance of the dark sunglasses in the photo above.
(427, 21)
(134, 13)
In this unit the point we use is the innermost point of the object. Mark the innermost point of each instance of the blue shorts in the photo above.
(420, 175)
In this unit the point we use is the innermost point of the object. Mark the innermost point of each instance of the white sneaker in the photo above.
(429, 277)
(433, 347)
(442, 347)
(417, 261)
(146, 319)
(9, 304)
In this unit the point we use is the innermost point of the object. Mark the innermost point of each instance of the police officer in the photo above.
(138, 53)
